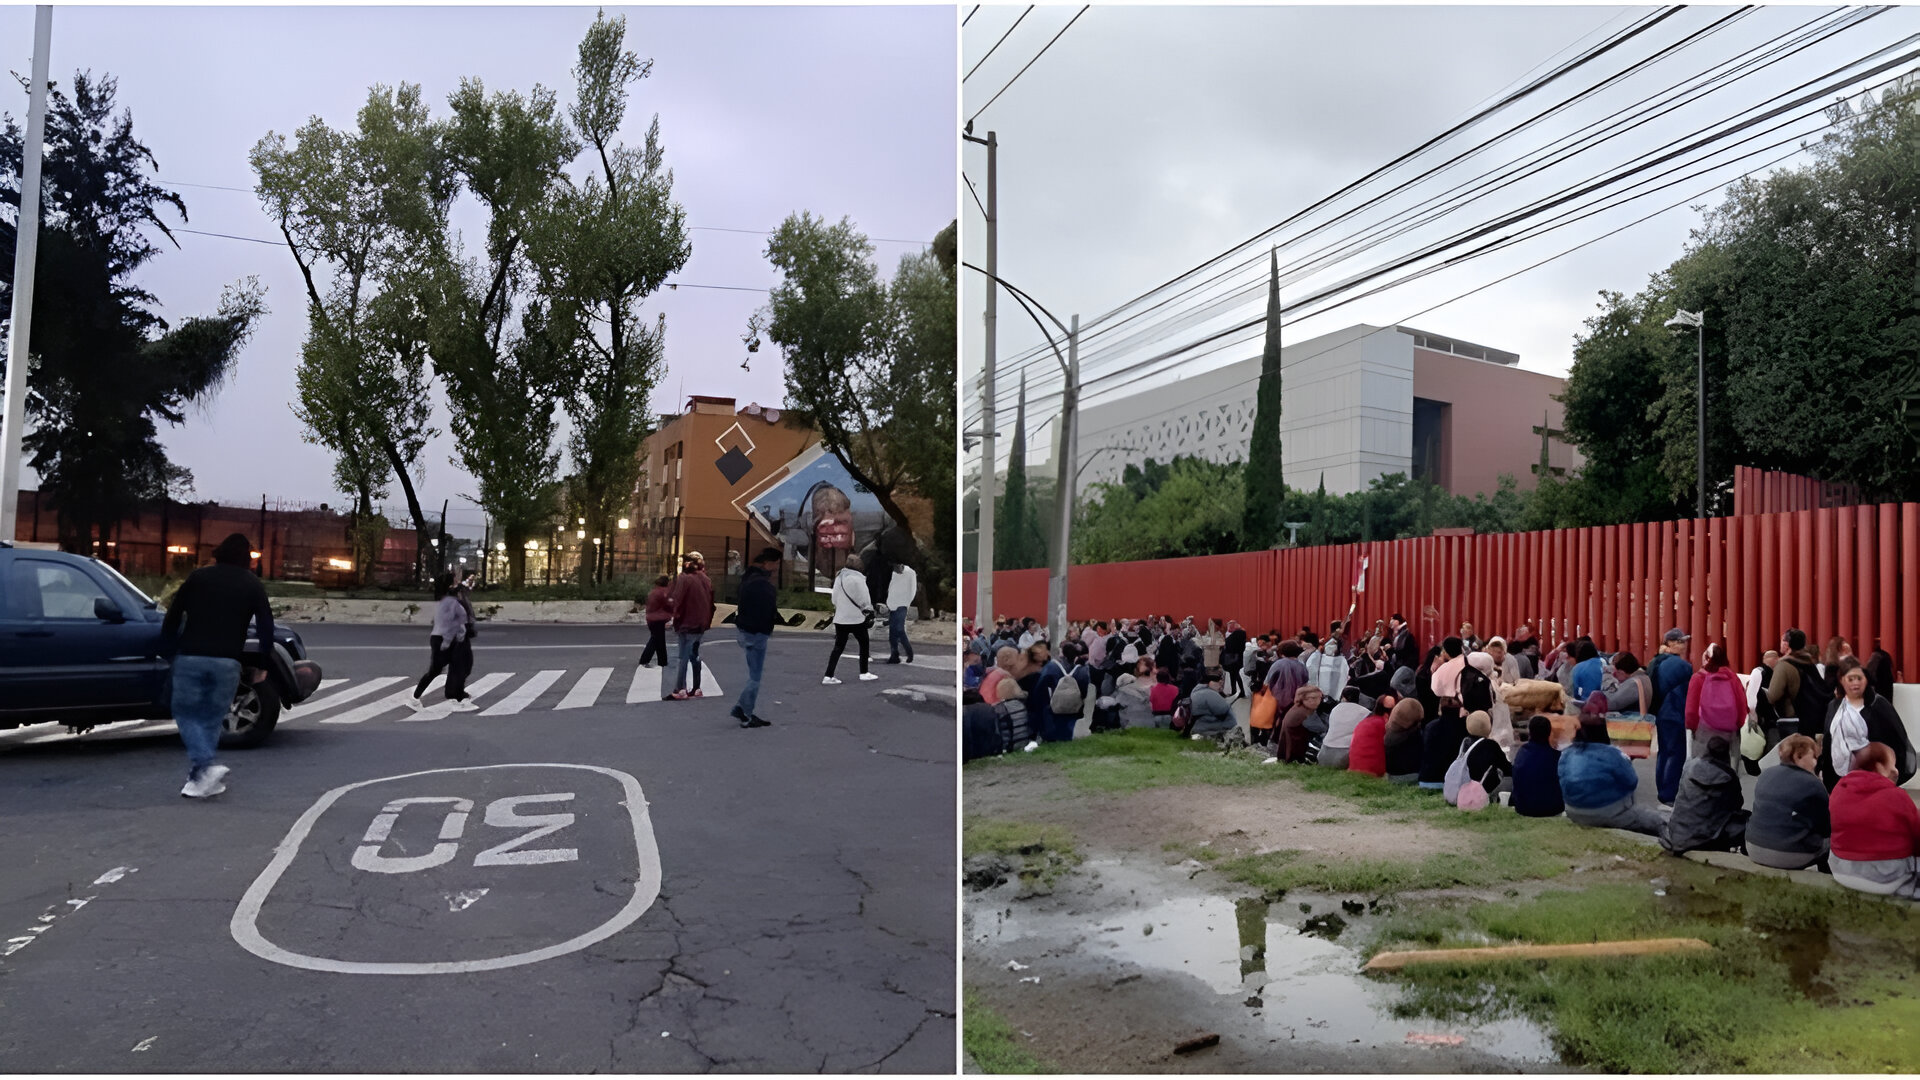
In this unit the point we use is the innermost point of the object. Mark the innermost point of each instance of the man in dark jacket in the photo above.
(1406, 647)
(215, 603)
(1708, 816)
(759, 603)
(1671, 673)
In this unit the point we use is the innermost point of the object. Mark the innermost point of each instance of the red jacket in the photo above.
(1873, 819)
(1369, 752)
(1163, 696)
(692, 601)
(658, 607)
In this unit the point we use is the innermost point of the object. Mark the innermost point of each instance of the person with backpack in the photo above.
(1479, 764)
(1716, 699)
(1670, 673)
(1060, 697)
(1801, 696)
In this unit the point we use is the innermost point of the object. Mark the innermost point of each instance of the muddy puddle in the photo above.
(1292, 967)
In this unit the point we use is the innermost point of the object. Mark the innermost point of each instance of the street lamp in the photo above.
(1698, 320)
(1069, 447)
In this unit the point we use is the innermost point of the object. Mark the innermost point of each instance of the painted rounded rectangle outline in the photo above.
(246, 931)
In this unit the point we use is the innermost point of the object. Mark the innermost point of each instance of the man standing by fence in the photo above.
(759, 610)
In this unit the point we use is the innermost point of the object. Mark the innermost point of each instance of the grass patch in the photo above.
(1778, 993)
(992, 1042)
(1040, 854)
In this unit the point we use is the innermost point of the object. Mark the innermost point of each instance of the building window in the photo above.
(1429, 440)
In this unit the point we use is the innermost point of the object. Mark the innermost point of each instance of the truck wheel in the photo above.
(251, 717)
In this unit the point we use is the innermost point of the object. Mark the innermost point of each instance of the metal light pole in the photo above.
(1069, 440)
(983, 578)
(1697, 320)
(21, 333)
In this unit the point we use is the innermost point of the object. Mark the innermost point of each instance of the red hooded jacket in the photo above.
(1873, 819)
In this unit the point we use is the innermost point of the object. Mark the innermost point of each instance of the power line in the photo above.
(1392, 227)
(1002, 41)
(1170, 323)
(1030, 63)
(229, 236)
(975, 192)
(970, 15)
(1095, 327)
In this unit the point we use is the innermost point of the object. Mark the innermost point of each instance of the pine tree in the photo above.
(1266, 483)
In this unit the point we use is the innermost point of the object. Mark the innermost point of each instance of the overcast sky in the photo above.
(1148, 139)
(763, 112)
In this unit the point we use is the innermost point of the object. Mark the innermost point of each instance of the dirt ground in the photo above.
(1239, 821)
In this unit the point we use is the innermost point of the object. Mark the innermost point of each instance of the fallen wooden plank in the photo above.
(1394, 961)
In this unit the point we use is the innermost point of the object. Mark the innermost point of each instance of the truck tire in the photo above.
(250, 719)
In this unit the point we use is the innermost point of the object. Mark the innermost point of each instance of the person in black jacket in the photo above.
(1790, 828)
(759, 603)
(215, 604)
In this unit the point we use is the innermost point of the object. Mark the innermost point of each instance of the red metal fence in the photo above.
(1756, 491)
(1851, 571)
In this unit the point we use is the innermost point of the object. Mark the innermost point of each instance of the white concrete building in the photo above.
(1358, 403)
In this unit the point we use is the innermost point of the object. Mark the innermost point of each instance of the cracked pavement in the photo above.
(805, 918)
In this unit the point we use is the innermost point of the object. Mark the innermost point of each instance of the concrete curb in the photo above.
(554, 612)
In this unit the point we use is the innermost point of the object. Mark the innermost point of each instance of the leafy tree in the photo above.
(359, 211)
(851, 352)
(105, 367)
(926, 302)
(1810, 282)
(1265, 476)
(1189, 506)
(610, 241)
(503, 348)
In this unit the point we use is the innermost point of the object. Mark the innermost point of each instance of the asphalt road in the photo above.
(570, 883)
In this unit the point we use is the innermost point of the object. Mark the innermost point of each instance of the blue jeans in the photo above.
(689, 659)
(203, 689)
(754, 648)
(1669, 757)
(897, 634)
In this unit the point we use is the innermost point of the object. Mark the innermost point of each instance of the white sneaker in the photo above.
(464, 706)
(1032, 746)
(869, 677)
(829, 681)
(416, 704)
(211, 782)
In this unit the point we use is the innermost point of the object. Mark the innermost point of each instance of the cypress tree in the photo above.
(1014, 529)
(1266, 484)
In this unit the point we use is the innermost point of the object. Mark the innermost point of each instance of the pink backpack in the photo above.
(1723, 701)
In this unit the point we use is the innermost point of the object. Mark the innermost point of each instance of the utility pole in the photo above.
(1063, 491)
(27, 245)
(983, 578)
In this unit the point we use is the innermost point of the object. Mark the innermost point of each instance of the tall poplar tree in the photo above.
(1017, 544)
(1266, 479)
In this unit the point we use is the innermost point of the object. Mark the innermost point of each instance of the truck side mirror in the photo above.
(107, 611)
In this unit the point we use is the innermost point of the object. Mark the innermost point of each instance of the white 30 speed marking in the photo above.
(501, 813)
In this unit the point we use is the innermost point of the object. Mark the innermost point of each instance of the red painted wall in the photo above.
(1850, 571)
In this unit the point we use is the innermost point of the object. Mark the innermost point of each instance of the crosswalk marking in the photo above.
(62, 734)
(645, 685)
(371, 686)
(587, 690)
(524, 696)
(445, 708)
(386, 704)
(709, 686)
(326, 683)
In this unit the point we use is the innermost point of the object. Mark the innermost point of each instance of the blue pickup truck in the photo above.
(80, 646)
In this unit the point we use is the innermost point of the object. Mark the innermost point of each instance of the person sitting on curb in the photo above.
(1598, 782)
(1876, 828)
(1790, 826)
(1536, 773)
(1709, 813)
(1342, 722)
(1212, 717)
(1402, 742)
